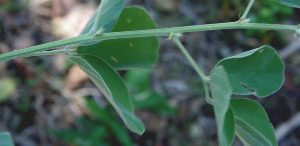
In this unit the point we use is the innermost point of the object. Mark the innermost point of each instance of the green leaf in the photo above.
(100, 113)
(138, 80)
(113, 87)
(252, 123)
(259, 72)
(128, 53)
(121, 135)
(6, 139)
(108, 13)
(76, 137)
(229, 129)
(291, 3)
(142, 96)
(7, 87)
(221, 93)
(153, 101)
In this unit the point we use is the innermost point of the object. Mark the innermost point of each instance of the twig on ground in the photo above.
(290, 49)
(285, 128)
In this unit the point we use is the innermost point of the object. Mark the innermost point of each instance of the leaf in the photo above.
(291, 3)
(221, 93)
(142, 96)
(6, 139)
(121, 135)
(109, 12)
(153, 101)
(252, 123)
(72, 136)
(229, 129)
(128, 53)
(113, 87)
(259, 71)
(138, 80)
(7, 87)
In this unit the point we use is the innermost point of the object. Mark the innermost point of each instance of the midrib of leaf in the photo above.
(107, 9)
(255, 131)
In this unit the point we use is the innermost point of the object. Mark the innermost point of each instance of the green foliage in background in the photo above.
(268, 11)
(142, 96)
(9, 7)
(101, 129)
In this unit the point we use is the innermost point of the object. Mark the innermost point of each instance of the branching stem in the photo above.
(143, 33)
(191, 60)
(247, 10)
(198, 70)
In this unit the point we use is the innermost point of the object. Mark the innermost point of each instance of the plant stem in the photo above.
(191, 60)
(43, 47)
(206, 27)
(198, 70)
(46, 53)
(207, 94)
(247, 9)
(143, 33)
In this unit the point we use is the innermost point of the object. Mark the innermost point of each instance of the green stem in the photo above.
(198, 70)
(46, 53)
(206, 27)
(143, 33)
(247, 9)
(191, 60)
(207, 94)
(43, 47)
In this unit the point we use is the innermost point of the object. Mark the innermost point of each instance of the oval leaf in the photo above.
(6, 139)
(291, 3)
(107, 13)
(128, 53)
(221, 93)
(113, 87)
(259, 72)
(252, 123)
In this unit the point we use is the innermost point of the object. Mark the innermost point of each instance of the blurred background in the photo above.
(46, 100)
